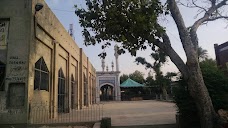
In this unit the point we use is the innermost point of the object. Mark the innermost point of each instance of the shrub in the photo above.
(217, 85)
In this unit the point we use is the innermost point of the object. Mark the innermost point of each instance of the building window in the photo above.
(2, 76)
(41, 81)
(61, 91)
(72, 92)
(85, 90)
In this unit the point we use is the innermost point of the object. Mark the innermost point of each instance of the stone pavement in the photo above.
(148, 112)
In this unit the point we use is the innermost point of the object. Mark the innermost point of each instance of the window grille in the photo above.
(41, 81)
(2, 76)
(61, 91)
(73, 91)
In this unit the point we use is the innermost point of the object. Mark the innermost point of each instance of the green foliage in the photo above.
(137, 76)
(170, 75)
(131, 22)
(123, 78)
(183, 100)
(185, 104)
(159, 58)
(150, 81)
(202, 54)
(217, 84)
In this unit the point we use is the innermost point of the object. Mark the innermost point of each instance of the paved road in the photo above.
(148, 112)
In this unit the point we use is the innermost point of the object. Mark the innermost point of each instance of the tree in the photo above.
(150, 84)
(202, 54)
(159, 59)
(137, 76)
(123, 78)
(133, 23)
(217, 84)
(150, 81)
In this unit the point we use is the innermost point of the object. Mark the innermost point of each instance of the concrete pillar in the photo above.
(116, 88)
(69, 80)
(77, 84)
(55, 80)
(81, 82)
(97, 91)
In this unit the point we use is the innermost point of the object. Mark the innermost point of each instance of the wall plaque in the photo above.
(16, 95)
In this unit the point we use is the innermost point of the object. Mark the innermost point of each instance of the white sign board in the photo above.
(4, 28)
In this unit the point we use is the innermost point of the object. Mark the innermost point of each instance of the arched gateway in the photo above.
(108, 82)
(107, 93)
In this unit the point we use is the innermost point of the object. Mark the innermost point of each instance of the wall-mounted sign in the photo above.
(4, 28)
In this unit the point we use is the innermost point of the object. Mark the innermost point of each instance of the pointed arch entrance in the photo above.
(107, 92)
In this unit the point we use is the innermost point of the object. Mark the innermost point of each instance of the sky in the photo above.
(212, 33)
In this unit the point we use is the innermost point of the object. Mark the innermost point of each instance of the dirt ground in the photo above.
(148, 112)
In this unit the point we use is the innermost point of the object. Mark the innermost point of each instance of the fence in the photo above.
(42, 114)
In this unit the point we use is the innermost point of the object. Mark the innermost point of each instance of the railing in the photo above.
(43, 114)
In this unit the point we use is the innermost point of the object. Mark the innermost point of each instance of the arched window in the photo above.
(61, 81)
(73, 89)
(2, 76)
(41, 81)
(61, 91)
(85, 90)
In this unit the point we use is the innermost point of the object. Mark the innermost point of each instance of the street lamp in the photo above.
(38, 7)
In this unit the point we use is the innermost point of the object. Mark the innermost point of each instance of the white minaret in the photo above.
(117, 87)
(112, 66)
(107, 68)
(116, 56)
(103, 64)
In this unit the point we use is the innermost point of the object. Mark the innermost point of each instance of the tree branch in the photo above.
(193, 5)
(174, 57)
(213, 2)
(193, 2)
(219, 17)
(183, 31)
(208, 13)
(204, 19)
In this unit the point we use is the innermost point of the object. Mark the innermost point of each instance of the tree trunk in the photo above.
(164, 93)
(201, 97)
(193, 75)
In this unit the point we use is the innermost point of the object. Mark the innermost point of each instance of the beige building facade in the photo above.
(40, 64)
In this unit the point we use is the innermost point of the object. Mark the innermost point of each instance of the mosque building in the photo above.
(108, 82)
(40, 64)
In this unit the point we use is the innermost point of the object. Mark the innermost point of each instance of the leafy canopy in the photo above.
(216, 82)
(131, 22)
(123, 78)
(137, 76)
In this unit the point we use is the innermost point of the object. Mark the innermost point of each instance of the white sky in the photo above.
(213, 32)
